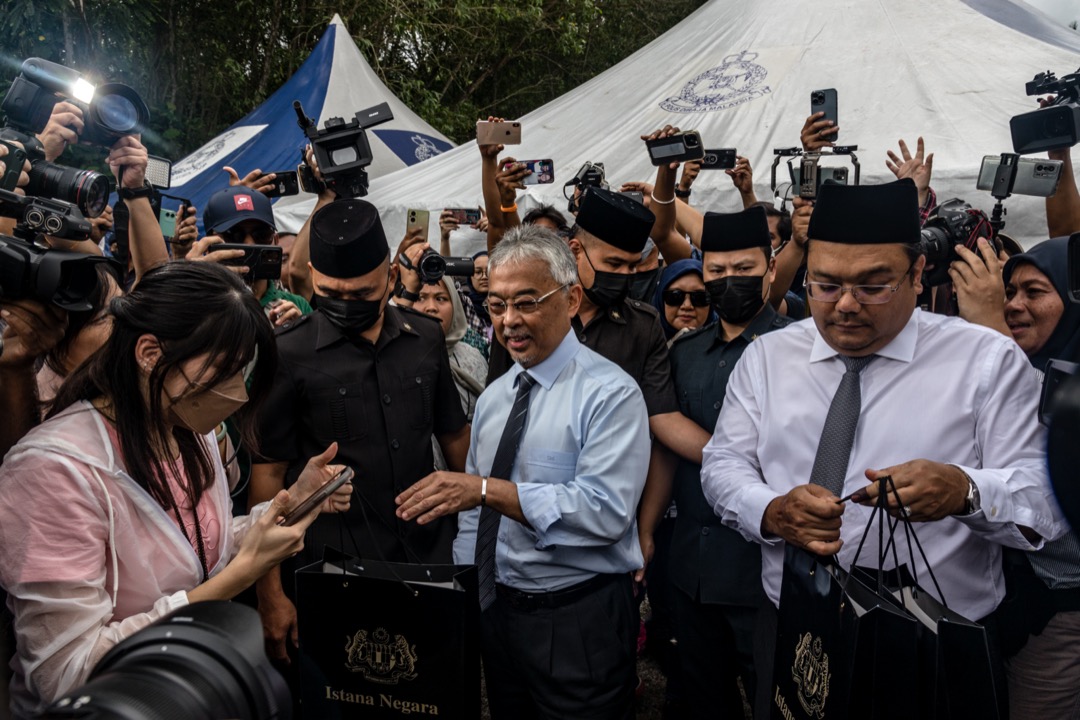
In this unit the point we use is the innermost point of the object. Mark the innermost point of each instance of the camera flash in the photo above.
(82, 90)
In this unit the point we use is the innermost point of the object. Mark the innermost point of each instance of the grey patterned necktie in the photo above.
(487, 529)
(838, 435)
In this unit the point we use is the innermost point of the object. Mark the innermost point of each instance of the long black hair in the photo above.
(194, 309)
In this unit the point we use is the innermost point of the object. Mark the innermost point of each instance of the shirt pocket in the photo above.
(554, 467)
(691, 403)
(337, 413)
(418, 394)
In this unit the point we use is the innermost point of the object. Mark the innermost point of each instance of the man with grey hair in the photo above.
(548, 501)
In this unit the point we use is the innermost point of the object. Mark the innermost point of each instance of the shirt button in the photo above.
(395, 444)
(581, 337)
(993, 511)
(704, 531)
(723, 363)
(716, 405)
(386, 399)
(419, 380)
(341, 391)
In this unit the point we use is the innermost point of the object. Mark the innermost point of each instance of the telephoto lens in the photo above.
(86, 189)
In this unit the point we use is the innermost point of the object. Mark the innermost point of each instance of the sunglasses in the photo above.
(264, 235)
(674, 298)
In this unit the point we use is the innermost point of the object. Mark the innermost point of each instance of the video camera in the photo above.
(28, 270)
(1054, 126)
(432, 266)
(110, 111)
(341, 149)
(588, 175)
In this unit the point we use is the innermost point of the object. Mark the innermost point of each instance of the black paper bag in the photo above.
(387, 640)
(842, 649)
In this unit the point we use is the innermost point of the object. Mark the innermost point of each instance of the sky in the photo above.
(1064, 11)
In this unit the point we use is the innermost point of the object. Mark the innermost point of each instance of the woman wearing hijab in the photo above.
(681, 299)
(473, 293)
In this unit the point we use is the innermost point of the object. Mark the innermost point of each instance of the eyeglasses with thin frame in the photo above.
(480, 271)
(523, 306)
(863, 294)
(675, 298)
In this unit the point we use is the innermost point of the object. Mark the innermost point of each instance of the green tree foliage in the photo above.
(203, 64)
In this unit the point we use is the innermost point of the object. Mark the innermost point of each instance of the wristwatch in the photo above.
(682, 194)
(407, 295)
(146, 191)
(973, 502)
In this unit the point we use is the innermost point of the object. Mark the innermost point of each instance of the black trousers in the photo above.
(716, 646)
(571, 661)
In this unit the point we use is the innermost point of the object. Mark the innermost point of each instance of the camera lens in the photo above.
(818, 98)
(117, 114)
(432, 267)
(87, 189)
(711, 159)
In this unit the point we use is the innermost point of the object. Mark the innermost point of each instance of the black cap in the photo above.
(235, 205)
(721, 232)
(615, 218)
(347, 239)
(867, 214)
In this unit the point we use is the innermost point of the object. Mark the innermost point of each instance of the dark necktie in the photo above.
(838, 435)
(487, 530)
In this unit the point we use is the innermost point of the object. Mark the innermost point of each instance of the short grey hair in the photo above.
(526, 243)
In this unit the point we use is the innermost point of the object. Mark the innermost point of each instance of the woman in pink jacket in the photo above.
(115, 511)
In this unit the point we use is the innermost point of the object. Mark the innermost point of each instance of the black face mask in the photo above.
(736, 298)
(608, 288)
(643, 284)
(351, 315)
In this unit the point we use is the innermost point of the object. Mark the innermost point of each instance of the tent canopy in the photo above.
(334, 81)
(741, 72)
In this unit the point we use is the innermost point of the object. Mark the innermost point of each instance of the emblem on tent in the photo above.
(737, 81)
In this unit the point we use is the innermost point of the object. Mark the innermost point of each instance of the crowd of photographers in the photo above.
(166, 400)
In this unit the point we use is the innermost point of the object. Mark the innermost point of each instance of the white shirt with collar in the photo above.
(943, 390)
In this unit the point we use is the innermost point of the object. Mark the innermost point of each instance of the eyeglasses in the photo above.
(264, 235)
(863, 294)
(479, 271)
(523, 306)
(675, 298)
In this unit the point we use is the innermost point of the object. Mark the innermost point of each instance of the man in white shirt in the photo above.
(946, 408)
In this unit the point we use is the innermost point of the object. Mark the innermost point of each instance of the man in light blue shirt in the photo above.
(559, 636)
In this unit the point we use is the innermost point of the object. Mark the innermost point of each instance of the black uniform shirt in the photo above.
(381, 403)
(707, 557)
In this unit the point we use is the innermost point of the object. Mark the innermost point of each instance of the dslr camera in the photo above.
(86, 189)
(954, 222)
(29, 270)
(341, 149)
(1054, 126)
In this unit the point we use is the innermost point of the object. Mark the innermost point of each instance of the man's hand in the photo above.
(800, 220)
(447, 224)
(410, 277)
(283, 312)
(128, 159)
(929, 490)
(254, 180)
(33, 329)
(809, 517)
(664, 132)
(203, 251)
(914, 167)
(327, 195)
(63, 129)
(816, 131)
(439, 494)
(491, 152)
(690, 172)
(279, 623)
(642, 187)
(510, 178)
(742, 176)
(187, 230)
(980, 289)
(101, 224)
(648, 550)
(24, 174)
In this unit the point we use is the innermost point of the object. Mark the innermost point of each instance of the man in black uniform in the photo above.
(607, 240)
(373, 378)
(716, 573)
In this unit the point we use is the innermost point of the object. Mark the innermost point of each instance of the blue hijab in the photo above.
(671, 273)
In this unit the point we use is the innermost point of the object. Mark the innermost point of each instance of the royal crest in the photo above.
(379, 659)
(737, 81)
(811, 675)
(425, 147)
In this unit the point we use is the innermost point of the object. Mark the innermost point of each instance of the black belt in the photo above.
(520, 600)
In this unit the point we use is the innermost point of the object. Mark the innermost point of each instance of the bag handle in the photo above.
(879, 509)
(910, 534)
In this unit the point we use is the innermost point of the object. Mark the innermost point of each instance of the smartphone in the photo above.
(1033, 176)
(13, 162)
(498, 133)
(286, 182)
(167, 221)
(466, 216)
(417, 219)
(836, 174)
(721, 159)
(677, 148)
(263, 261)
(317, 498)
(543, 171)
(825, 101)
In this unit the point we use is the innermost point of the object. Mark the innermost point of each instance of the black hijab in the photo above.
(476, 296)
(1050, 257)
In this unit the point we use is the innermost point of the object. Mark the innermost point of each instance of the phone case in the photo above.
(167, 220)
(719, 159)
(826, 101)
(493, 133)
(543, 172)
(677, 148)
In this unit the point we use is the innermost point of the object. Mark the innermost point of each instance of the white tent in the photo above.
(741, 72)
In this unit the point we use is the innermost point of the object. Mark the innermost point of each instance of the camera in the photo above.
(110, 111)
(86, 189)
(953, 223)
(1054, 126)
(27, 270)
(341, 149)
(206, 660)
(588, 175)
(432, 266)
